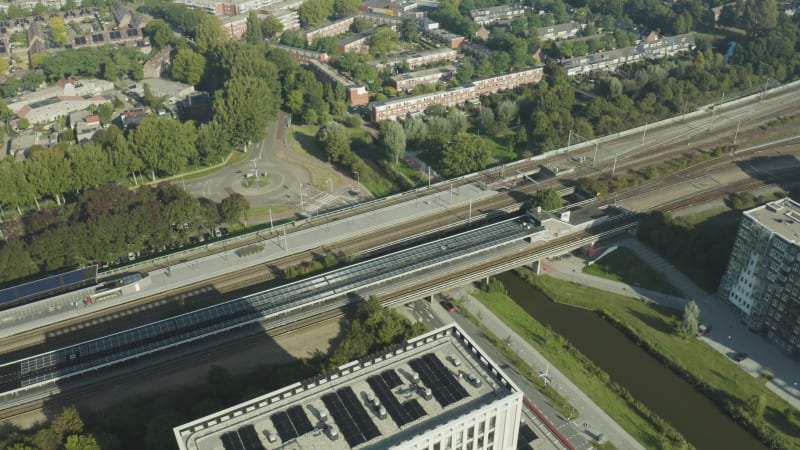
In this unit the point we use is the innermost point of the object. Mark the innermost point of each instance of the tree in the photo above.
(164, 145)
(547, 199)
(382, 41)
(690, 321)
(23, 124)
(209, 33)
(232, 207)
(48, 171)
(409, 30)
(244, 107)
(760, 17)
(507, 112)
(15, 261)
(253, 35)
(360, 25)
(464, 154)
(105, 111)
(393, 138)
(160, 33)
(81, 442)
(345, 8)
(150, 99)
(271, 26)
(336, 142)
(188, 66)
(67, 422)
(757, 404)
(314, 12)
(293, 38)
(485, 119)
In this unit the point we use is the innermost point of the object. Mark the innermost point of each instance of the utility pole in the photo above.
(569, 139)
(644, 132)
(594, 160)
(301, 197)
(429, 177)
(735, 135)
(184, 183)
(614, 167)
(330, 183)
(469, 221)
(271, 228)
(713, 115)
(285, 242)
(685, 105)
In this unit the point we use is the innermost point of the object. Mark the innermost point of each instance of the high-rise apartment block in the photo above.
(763, 276)
(437, 391)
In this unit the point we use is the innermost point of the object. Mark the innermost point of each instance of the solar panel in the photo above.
(115, 35)
(300, 420)
(80, 41)
(132, 32)
(400, 413)
(231, 441)
(98, 38)
(283, 425)
(444, 386)
(349, 414)
(391, 378)
(249, 438)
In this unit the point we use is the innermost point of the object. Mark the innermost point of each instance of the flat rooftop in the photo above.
(782, 217)
(423, 384)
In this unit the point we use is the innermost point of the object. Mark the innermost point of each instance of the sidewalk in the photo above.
(590, 414)
(728, 335)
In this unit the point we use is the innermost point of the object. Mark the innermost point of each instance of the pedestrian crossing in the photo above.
(322, 201)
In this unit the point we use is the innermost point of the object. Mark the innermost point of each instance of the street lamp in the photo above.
(358, 181)
(330, 183)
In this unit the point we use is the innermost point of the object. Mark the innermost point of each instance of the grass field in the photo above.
(655, 325)
(550, 344)
(624, 266)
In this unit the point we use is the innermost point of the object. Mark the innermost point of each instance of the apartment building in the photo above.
(410, 80)
(357, 95)
(331, 29)
(450, 40)
(227, 7)
(560, 31)
(609, 61)
(302, 55)
(436, 391)
(400, 107)
(286, 12)
(158, 64)
(417, 59)
(235, 26)
(762, 279)
(502, 13)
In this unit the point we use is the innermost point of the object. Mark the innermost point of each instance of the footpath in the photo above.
(728, 334)
(591, 417)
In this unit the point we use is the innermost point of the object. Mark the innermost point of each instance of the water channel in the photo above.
(664, 392)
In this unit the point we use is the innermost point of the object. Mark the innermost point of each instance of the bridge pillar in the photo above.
(537, 267)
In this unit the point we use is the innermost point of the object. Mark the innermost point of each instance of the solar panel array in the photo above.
(98, 38)
(526, 436)
(39, 288)
(402, 413)
(350, 415)
(245, 438)
(80, 40)
(444, 386)
(132, 32)
(115, 35)
(69, 361)
(291, 423)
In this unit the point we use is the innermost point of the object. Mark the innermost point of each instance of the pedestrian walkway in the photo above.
(591, 418)
(728, 334)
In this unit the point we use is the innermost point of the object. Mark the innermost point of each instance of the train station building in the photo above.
(436, 391)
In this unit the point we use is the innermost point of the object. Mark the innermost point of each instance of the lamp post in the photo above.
(330, 183)
(735, 135)
(358, 181)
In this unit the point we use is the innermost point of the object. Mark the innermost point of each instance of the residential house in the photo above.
(159, 64)
(331, 29)
(87, 127)
(121, 14)
(560, 31)
(408, 81)
(493, 14)
(301, 55)
(357, 94)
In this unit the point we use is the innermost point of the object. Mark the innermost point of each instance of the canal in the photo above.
(664, 392)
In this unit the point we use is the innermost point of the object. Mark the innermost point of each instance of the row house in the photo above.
(357, 95)
(381, 19)
(477, 50)
(408, 81)
(389, 7)
(451, 40)
(228, 7)
(504, 13)
(331, 29)
(11, 26)
(235, 26)
(132, 37)
(31, 4)
(121, 14)
(358, 43)
(610, 60)
(302, 55)
(418, 59)
(560, 31)
(400, 107)
(159, 63)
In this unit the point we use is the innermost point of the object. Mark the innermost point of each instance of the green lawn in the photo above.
(623, 265)
(655, 325)
(497, 148)
(550, 344)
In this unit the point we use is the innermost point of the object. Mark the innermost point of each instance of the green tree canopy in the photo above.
(164, 145)
(547, 199)
(271, 26)
(314, 12)
(209, 33)
(466, 153)
(393, 137)
(383, 41)
(253, 35)
(244, 107)
(188, 66)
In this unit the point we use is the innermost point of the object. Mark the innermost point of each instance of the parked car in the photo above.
(448, 305)
(739, 357)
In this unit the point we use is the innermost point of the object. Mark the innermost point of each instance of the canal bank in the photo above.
(658, 387)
